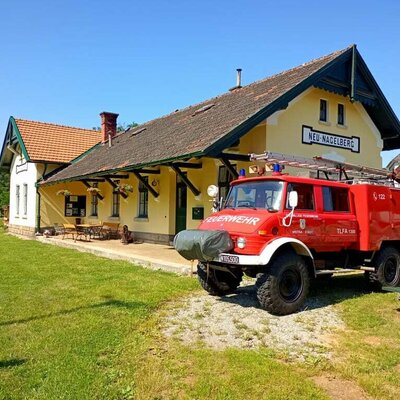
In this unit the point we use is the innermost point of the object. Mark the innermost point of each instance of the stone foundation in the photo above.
(21, 230)
(157, 238)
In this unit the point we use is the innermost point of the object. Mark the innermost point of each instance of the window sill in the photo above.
(341, 126)
(141, 219)
(93, 217)
(327, 123)
(113, 218)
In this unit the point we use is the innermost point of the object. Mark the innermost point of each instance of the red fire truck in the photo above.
(285, 230)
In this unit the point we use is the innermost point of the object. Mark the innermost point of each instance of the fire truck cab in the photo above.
(285, 230)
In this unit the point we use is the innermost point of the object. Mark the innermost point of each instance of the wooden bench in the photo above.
(111, 230)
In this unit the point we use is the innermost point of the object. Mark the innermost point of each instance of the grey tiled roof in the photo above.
(193, 130)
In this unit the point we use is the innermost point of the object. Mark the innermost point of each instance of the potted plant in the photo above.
(124, 188)
(93, 190)
(63, 192)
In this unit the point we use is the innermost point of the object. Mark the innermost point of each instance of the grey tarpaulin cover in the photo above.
(196, 244)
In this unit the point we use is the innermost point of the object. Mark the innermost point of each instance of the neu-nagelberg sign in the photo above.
(311, 136)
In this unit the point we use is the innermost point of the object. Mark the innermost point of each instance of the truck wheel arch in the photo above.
(275, 246)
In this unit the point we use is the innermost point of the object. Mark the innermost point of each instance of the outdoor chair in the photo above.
(69, 229)
(96, 231)
(111, 230)
(81, 231)
(58, 229)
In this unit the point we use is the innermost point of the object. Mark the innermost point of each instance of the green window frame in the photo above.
(224, 179)
(115, 204)
(143, 208)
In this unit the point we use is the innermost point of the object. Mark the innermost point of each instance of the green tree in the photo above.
(121, 127)
(4, 188)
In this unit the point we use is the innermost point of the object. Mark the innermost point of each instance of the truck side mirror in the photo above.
(293, 199)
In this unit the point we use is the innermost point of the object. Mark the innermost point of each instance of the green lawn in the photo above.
(76, 326)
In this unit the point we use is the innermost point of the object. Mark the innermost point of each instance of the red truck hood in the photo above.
(242, 220)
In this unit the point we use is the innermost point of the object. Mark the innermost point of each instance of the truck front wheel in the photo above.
(283, 289)
(216, 282)
(387, 266)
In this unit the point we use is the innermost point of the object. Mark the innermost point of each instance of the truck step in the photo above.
(335, 271)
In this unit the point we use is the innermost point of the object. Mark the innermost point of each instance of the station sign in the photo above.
(311, 136)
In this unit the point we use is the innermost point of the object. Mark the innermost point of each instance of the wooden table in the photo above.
(90, 230)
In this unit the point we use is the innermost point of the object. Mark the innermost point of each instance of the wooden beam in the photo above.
(124, 176)
(114, 186)
(146, 183)
(88, 185)
(147, 171)
(188, 165)
(353, 75)
(230, 168)
(234, 157)
(185, 179)
(94, 179)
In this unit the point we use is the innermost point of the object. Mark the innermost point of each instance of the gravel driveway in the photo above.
(237, 321)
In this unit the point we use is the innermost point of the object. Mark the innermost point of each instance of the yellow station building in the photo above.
(154, 177)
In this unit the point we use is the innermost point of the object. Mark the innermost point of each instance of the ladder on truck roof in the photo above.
(325, 165)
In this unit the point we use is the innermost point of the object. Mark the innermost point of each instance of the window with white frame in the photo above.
(323, 110)
(94, 202)
(143, 199)
(25, 199)
(115, 204)
(340, 115)
(17, 198)
(115, 201)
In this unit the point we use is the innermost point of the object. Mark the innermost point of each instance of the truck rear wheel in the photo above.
(283, 289)
(218, 283)
(387, 266)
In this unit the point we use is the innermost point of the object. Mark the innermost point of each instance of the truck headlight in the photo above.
(241, 243)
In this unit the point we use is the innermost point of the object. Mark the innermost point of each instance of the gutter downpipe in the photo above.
(39, 197)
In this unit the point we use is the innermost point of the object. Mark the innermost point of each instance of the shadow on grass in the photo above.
(322, 292)
(109, 302)
(14, 362)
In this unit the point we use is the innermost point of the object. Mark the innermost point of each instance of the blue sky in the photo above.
(66, 61)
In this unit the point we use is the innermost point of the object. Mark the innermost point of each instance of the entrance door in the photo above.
(181, 205)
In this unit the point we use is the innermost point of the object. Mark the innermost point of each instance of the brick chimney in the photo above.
(108, 125)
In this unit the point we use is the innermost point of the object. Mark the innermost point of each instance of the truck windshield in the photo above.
(256, 194)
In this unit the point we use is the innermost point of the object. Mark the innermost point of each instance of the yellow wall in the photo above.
(284, 130)
(282, 133)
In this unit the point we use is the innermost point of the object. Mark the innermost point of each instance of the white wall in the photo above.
(23, 173)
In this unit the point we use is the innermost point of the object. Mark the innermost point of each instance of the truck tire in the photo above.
(283, 289)
(218, 283)
(387, 266)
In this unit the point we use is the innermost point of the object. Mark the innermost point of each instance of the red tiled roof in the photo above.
(55, 143)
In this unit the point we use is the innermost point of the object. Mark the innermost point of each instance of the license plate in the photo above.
(227, 258)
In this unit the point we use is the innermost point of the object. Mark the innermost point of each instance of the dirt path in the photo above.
(340, 389)
(237, 321)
